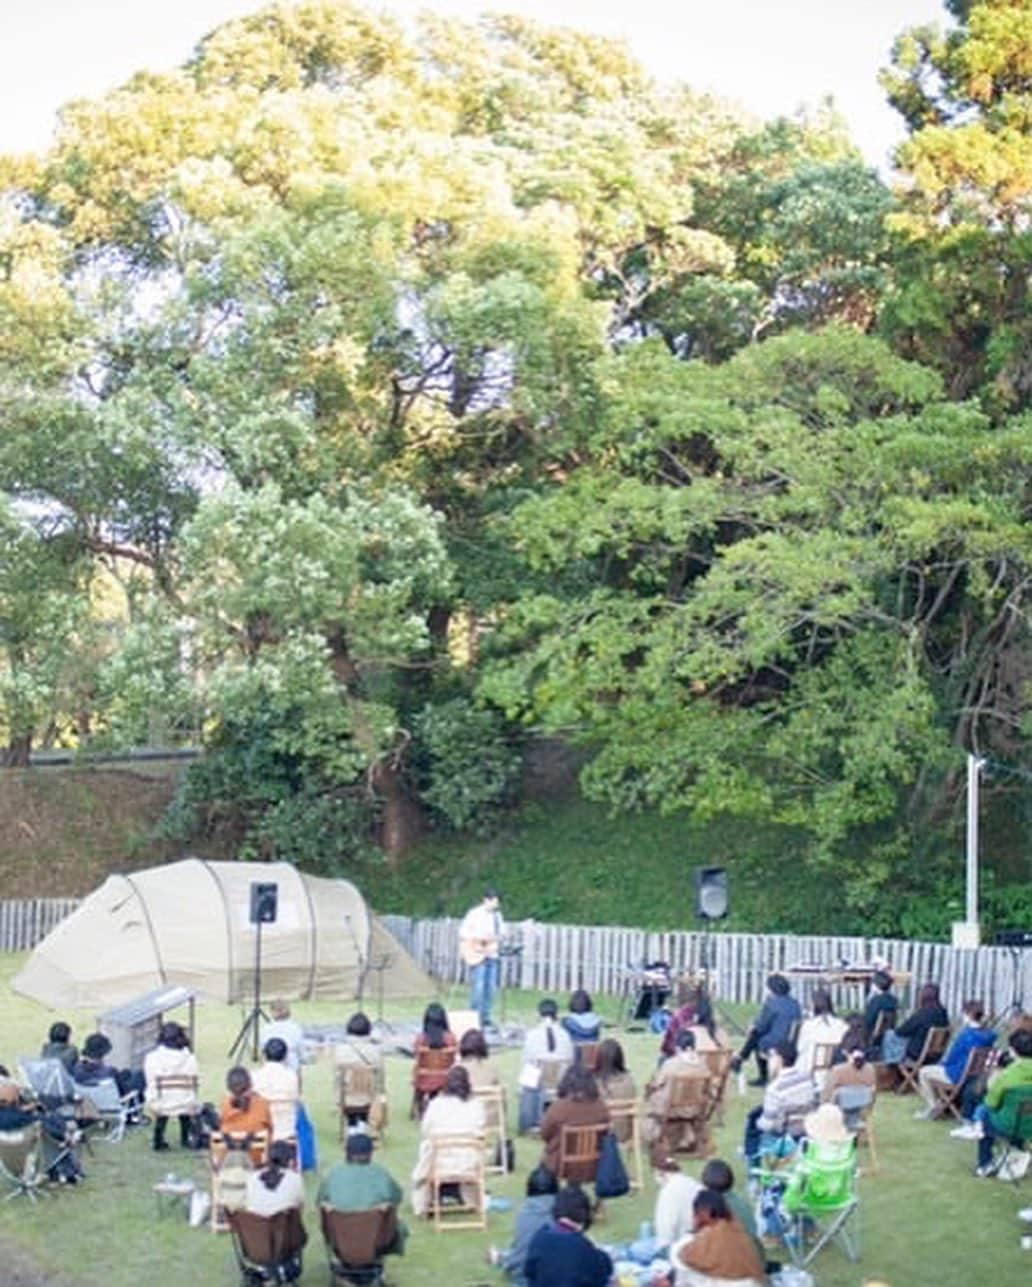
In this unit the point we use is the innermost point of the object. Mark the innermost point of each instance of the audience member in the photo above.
(359, 1184)
(288, 1030)
(579, 1104)
(974, 1035)
(582, 1023)
(546, 1041)
(997, 1114)
(59, 1045)
(455, 1111)
(718, 1176)
(435, 1035)
(772, 1027)
(705, 1031)
(360, 1049)
(720, 1249)
(675, 1193)
(856, 1070)
(278, 1085)
(685, 1016)
(882, 1005)
(475, 1058)
(777, 1123)
(171, 1057)
(663, 1134)
(90, 1068)
(536, 1211)
(560, 1253)
(824, 1027)
(907, 1041)
(276, 1187)
(615, 1083)
(244, 1111)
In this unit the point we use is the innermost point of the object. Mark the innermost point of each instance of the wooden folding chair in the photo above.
(688, 1109)
(626, 1110)
(586, 1054)
(947, 1094)
(429, 1075)
(718, 1065)
(935, 1043)
(254, 1149)
(458, 1159)
(496, 1129)
(552, 1073)
(579, 1150)
(356, 1091)
(883, 1023)
(823, 1056)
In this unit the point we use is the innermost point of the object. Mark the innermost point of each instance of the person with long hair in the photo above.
(685, 1016)
(276, 1186)
(907, 1041)
(719, 1248)
(454, 1112)
(823, 1027)
(435, 1035)
(475, 1058)
(615, 1083)
(579, 1104)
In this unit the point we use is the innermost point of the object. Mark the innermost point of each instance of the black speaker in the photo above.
(263, 902)
(711, 893)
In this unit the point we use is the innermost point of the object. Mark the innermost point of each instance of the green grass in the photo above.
(925, 1221)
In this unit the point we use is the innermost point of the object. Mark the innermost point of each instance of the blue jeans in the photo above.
(985, 1144)
(484, 980)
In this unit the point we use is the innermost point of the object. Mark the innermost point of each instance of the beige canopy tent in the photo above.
(189, 923)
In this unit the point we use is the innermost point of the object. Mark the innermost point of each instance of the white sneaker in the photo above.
(924, 1114)
(967, 1132)
(1025, 1214)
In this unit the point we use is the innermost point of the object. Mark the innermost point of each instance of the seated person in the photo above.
(974, 1035)
(288, 1030)
(582, 1023)
(360, 1049)
(777, 1123)
(90, 1068)
(772, 1027)
(359, 1184)
(707, 1035)
(57, 1135)
(455, 1111)
(855, 1070)
(825, 1133)
(663, 1135)
(882, 1002)
(172, 1057)
(675, 1193)
(615, 1082)
(534, 1214)
(276, 1186)
(59, 1046)
(243, 1111)
(579, 1104)
(719, 1251)
(435, 1035)
(474, 1057)
(994, 1116)
(684, 1016)
(907, 1041)
(546, 1041)
(718, 1177)
(560, 1254)
(823, 1028)
(278, 1085)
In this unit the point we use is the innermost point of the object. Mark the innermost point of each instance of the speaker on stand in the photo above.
(263, 909)
(712, 903)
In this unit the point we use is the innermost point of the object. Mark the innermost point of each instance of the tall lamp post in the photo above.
(966, 933)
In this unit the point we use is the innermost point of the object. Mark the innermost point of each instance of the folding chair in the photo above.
(496, 1130)
(1017, 1140)
(356, 1090)
(579, 1150)
(113, 1109)
(857, 1104)
(718, 1065)
(552, 1073)
(429, 1075)
(357, 1241)
(230, 1158)
(885, 1022)
(20, 1168)
(626, 1110)
(821, 1203)
(823, 1057)
(50, 1082)
(684, 1126)
(268, 1248)
(947, 1094)
(458, 1160)
(935, 1043)
(283, 1113)
(585, 1053)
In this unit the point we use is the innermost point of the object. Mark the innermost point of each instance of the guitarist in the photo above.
(480, 938)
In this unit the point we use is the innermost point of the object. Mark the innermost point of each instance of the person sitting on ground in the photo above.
(997, 1115)
(772, 1027)
(579, 1104)
(675, 1193)
(882, 1002)
(546, 1043)
(855, 1070)
(534, 1214)
(244, 1112)
(582, 1023)
(58, 1045)
(615, 1083)
(824, 1027)
(288, 1030)
(475, 1058)
(908, 1040)
(359, 1184)
(560, 1254)
(171, 1057)
(278, 1085)
(719, 1250)
(718, 1176)
(974, 1035)
(455, 1111)
(276, 1186)
(90, 1068)
(662, 1134)
(684, 1016)
(776, 1125)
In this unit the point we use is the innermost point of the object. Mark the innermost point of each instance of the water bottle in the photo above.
(741, 1081)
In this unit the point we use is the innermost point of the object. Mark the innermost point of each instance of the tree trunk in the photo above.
(401, 821)
(15, 754)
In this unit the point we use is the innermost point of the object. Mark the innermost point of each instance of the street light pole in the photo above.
(966, 933)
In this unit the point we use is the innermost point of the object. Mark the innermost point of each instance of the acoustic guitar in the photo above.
(475, 951)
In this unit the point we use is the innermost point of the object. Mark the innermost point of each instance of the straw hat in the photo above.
(826, 1125)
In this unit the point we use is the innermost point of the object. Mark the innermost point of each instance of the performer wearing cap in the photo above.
(480, 939)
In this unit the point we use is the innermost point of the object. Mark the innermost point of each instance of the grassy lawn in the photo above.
(925, 1220)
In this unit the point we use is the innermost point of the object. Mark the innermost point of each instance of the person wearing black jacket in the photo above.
(914, 1030)
(560, 1255)
(882, 1001)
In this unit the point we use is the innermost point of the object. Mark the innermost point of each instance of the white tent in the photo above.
(189, 923)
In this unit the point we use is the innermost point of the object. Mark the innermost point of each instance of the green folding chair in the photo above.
(821, 1203)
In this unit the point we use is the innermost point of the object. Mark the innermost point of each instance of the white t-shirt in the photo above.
(820, 1030)
(483, 924)
(290, 1192)
(674, 1216)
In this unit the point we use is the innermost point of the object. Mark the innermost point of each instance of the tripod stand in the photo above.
(728, 1020)
(251, 1025)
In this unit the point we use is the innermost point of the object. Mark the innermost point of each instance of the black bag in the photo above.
(510, 1155)
(611, 1178)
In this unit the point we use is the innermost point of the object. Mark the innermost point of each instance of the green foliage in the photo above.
(472, 767)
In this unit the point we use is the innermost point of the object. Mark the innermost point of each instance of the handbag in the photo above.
(611, 1178)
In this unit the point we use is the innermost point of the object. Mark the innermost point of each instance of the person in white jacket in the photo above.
(172, 1057)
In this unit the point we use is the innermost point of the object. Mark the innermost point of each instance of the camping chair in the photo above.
(429, 1075)
(579, 1150)
(356, 1091)
(857, 1105)
(496, 1128)
(821, 1203)
(114, 1110)
(626, 1110)
(20, 1168)
(230, 1158)
(51, 1084)
(458, 1160)
(935, 1043)
(1012, 1165)
(947, 1094)
(357, 1241)
(268, 1248)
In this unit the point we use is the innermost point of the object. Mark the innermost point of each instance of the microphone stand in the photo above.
(361, 959)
